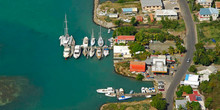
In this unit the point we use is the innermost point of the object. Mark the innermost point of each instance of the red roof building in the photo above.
(217, 5)
(137, 66)
(139, 18)
(124, 39)
(194, 97)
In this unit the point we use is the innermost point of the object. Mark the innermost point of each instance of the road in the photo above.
(191, 40)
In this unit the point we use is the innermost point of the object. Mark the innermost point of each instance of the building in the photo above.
(205, 3)
(206, 13)
(217, 5)
(159, 64)
(115, 15)
(137, 66)
(195, 96)
(170, 14)
(121, 52)
(192, 80)
(170, 59)
(139, 18)
(151, 5)
(204, 74)
(129, 10)
(181, 102)
(124, 39)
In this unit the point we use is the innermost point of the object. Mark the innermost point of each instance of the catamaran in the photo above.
(99, 53)
(92, 42)
(77, 51)
(100, 40)
(91, 51)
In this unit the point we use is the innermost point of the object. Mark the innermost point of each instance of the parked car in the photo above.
(188, 60)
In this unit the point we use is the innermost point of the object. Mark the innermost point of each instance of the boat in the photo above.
(148, 96)
(85, 51)
(77, 51)
(66, 52)
(121, 90)
(99, 53)
(85, 42)
(100, 40)
(131, 92)
(92, 42)
(106, 51)
(108, 90)
(124, 97)
(110, 94)
(91, 51)
(143, 90)
(109, 30)
(111, 41)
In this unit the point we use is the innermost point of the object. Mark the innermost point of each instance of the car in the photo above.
(188, 60)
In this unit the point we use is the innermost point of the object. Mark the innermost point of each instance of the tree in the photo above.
(179, 93)
(181, 107)
(157, 53)
(192, 68)
(217, 49)
(164, 52)
(211, 19)
(188, 89)
(171, 50)
(158, 102)
(135, 47)
(208, 102)
(139, 77)
(193, 106)
(181, 49)
(134, 22)
(118, 22)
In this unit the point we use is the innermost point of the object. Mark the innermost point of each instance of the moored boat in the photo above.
(124, 97)
(108, 90)
(77, 51)
(109, 94)
(66, 52)
(106, 51)
(92, 42)
(85, 42)
(91, 52)
(85, 51)
(99, 53)
(100, 40)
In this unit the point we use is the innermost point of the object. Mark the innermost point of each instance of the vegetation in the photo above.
(193, 6)
(211, 90)
(118, 22)
(134, 22)
(158, 102)
(171, 50)
(188, 89)
(139, 77)
(130, 30)
(204, 56)
(142, 56)
(192, 68)
(177, 25)
(193, 106)
(135, 47)
(123, 1)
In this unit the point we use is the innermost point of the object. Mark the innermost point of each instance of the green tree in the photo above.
(193, 106)
(164, 52)
(157, 53)
(127, 30)
(135, 47)
(179, 93)
(171, 50)
(210, 19)
(118, 22)
(181, 107)
(139, 77)
(181, 49)
(208, 102)
(134, 22)
(217, 49)
(192, 68)
(158, 102)
(188, 89)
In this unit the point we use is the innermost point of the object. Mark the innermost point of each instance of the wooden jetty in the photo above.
(140, 94)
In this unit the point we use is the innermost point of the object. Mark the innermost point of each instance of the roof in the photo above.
(184, 94)
(195, 96)
(145, 3)
(166, 12)
(208, 11)
(129, 9)
(126, 38)
(191, 77)
(121, 49)
(202, 1)
(212, 69)
(137, 66)
(180, 102)
(217, 4)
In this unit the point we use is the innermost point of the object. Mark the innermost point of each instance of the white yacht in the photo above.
(85, 42)
(99, 53)
(66, 52)
(92, 42)
(124, 97)
(106, 51)
(143, 90)
(85, 51)
(108, 90)
(77, 51)
(91, 51)
(110, 94)
(100, 40)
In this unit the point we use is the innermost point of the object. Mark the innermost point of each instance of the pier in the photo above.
(140, 94)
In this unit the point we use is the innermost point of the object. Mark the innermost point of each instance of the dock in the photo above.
(140, 94)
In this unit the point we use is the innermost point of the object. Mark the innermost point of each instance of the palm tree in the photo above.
(171, 50)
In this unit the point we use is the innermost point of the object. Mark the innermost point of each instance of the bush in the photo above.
(179, 93)
(158, 102)
(139, 77)
(208, 102)
(192, 68)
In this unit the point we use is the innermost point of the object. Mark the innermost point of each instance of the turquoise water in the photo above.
(29, 47)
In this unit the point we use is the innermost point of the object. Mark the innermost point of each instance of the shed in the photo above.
(137, 66)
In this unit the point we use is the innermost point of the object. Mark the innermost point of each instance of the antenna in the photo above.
(66, 28)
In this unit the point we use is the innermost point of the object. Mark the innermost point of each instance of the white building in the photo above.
(114, 15)
(159, 64)
(205, 3)
(206, 13)
(204, 74)
(121, 51)
(192, 80)
(170, 14)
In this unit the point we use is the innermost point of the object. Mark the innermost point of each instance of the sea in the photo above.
(29, 47)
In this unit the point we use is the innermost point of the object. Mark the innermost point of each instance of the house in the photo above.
(181, 102)
(113, 15)
(217, 5)
(205, 3)
(204, 74)
(170, 14)
(192, 80)
(139, 18)
(206, 13)
(196, 97)
(121, 52)
(124, 39)
(137, 66)
(129, 10)
(159, 64)
(151, 5)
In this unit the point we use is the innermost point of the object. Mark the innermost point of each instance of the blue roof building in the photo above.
(206, 13)
(129, 10)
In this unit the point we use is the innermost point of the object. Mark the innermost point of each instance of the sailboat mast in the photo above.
(100, 32)
(66, 28)
(92, 33)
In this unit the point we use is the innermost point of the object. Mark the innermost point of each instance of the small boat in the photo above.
(99, 53)
(92, 42)
(121, 90)
(131, 92)
(109, 30)
(85, 51)
(106, 51)
(124, 97)
(100, 40)
(66, 52)
(147, 90)
(148, 96)
(77, 51)
(91, 52)
(110, 94)
(108, 90)
(85, 42)
(143, 90)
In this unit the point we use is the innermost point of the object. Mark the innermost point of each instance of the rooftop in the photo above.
(204, 1)
(191, 77)
(166, 12)
(137, 66)
(217, 4)
(145, 3)
(208, 11)
(180, 102)
(126, 38)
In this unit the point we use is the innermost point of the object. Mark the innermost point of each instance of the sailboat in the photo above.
(105, 50)
(100, 40)
(91, 51)
(99, 53)
(92, 42)
(77, 51)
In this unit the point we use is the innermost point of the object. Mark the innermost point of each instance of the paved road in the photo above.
(190, 49)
